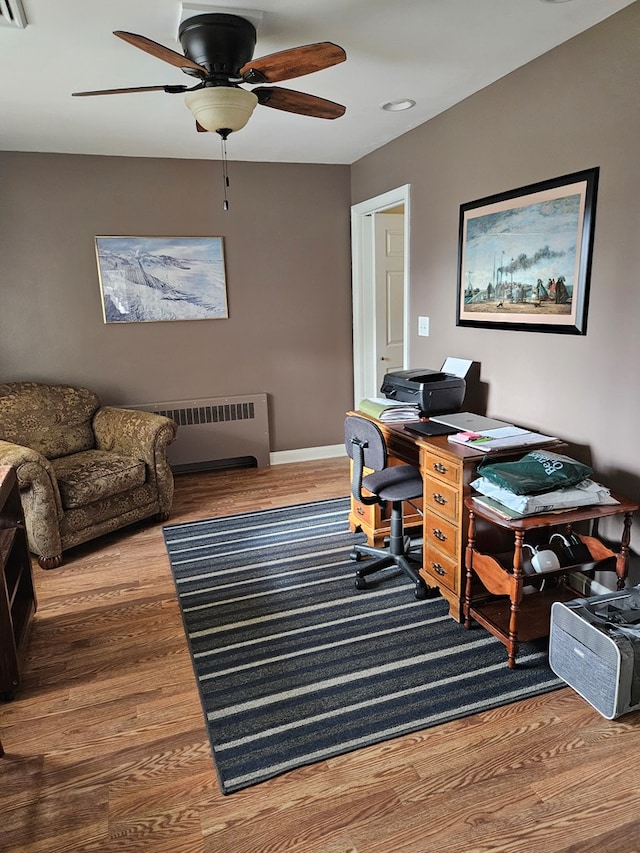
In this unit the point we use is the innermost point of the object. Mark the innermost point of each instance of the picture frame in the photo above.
(153, 279)
(524, 256)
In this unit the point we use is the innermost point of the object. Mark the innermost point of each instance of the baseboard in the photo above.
(307, 454)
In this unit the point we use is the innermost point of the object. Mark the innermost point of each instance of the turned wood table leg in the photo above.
(622, 564)
(471, 543)
(516, 597)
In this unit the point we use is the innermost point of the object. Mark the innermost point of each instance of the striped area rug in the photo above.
(294, 665)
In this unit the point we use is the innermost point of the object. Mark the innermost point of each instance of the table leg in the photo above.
(622, 564)
(516, 597)
(471, 542)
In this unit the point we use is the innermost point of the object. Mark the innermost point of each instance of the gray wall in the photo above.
(288, 262)
(573, 108)
(287, 252)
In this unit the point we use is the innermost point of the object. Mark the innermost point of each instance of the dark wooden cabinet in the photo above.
(17, 595)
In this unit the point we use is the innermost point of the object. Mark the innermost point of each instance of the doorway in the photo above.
(380, 289)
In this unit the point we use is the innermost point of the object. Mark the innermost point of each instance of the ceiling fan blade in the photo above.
(295, 62)
(171, 89)
(298, 102)
(200, 128)
(160, 51)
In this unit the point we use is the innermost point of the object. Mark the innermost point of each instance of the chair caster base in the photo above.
(356, 556)
(360, 583)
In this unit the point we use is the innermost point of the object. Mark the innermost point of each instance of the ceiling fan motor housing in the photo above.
(221, 43)
(218, 50)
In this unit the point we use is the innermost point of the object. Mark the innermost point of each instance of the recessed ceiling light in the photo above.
(398, 106)
(554, 1)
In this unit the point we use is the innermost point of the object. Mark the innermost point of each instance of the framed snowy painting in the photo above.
(151, 279)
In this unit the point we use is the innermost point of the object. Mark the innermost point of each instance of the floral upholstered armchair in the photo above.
(83, 469)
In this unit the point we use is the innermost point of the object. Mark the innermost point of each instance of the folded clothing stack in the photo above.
(542, 481)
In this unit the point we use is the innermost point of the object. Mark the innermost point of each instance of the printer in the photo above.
(433, 391)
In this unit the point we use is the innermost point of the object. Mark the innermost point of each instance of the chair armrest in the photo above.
(143, 435)
(39, 495)
(33, 470)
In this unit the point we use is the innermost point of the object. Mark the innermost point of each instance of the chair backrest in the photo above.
(55, 420)
(362, 433)
(365, 445)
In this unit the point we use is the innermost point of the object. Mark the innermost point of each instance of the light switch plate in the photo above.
(423, 326)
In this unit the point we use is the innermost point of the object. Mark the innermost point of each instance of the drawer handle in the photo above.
(439, 499)
(360, 510)
(440, 468)
(440, 535)
(437, 568)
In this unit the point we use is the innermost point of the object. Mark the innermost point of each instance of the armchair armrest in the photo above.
(142, 435)
(39, 495)
(133, 433)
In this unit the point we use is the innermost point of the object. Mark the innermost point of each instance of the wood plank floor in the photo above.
(106, 748)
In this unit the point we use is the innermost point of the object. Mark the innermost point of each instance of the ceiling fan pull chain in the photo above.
(225, 172)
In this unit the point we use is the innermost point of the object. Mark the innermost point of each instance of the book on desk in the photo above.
(502, 438)
(389, 411)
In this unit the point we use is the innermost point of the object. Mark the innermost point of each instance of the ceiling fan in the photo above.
(218, 51)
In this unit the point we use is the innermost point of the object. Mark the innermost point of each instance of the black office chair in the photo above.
(395, 484)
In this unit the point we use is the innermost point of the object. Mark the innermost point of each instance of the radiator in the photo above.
(219, 432)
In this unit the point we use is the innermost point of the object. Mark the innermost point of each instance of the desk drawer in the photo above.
(441, 534)
(443, 499)
(442, 468)
(403, 448)
(443, 569)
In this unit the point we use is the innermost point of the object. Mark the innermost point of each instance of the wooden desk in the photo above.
(508, 613)
(447, 471)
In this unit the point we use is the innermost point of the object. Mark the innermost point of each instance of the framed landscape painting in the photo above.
(149, 279)
(524, 257)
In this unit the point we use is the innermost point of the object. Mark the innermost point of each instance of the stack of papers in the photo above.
(501, 438)
(389, 410)
(507, 503)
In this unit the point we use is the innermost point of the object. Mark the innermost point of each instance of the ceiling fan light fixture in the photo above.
(219, 108)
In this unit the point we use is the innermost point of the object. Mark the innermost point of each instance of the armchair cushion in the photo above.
(95, 474)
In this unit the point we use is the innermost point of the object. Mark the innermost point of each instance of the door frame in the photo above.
(363, 287)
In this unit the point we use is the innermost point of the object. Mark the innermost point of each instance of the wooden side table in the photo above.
(17, 595)
(505, 610)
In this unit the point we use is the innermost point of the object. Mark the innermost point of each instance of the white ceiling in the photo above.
(435, 52)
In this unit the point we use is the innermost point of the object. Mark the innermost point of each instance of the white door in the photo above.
(389, 293)
(368, 367)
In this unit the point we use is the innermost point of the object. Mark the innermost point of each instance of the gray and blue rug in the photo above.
(294, 665)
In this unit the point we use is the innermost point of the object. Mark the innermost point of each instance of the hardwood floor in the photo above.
(106, 748)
